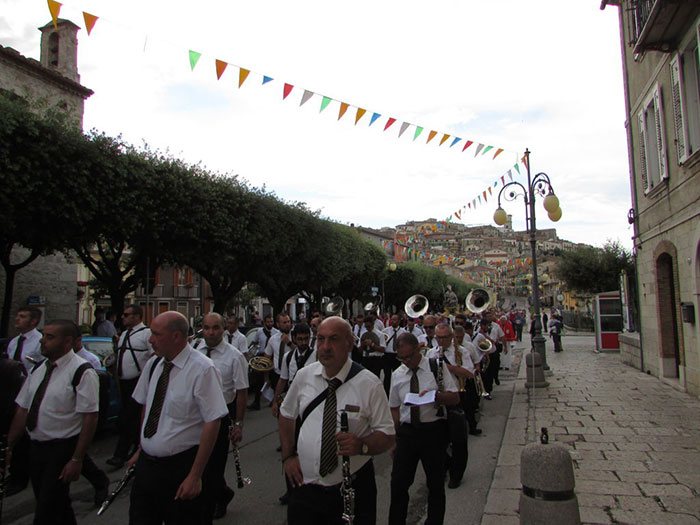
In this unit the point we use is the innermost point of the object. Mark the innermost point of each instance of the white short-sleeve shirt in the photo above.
(30, 348)
(423, 339)
(451, 356)
(62, 408)
(401, 385)
(273, 350)
(232, 367)
(289, 371)
(238, 341)
(391, 335)
(364, 391)
(90, 358)
(194, 397)
(382, 341)
(138, 342)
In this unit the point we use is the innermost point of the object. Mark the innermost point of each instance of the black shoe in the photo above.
(254, 406)
(116, 461)
(220, 507)
(101, 494)
(454, 483)
(476, 432)
(15, 488)
(495, 380)
(284, 498)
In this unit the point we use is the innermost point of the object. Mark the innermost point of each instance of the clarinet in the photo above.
(440, 382)
(241, 481)
(120, 486)
(3, 465)
(346, 489)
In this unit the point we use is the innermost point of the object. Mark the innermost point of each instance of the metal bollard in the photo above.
(547, 476)
(534, 377)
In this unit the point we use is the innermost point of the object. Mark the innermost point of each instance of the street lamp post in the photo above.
(539, 185)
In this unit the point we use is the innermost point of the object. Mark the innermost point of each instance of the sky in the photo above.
(541, 74)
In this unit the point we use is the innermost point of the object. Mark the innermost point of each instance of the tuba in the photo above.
(261, 363)
(334, 306)
(372, 307)
(416, 305)
(479, 300)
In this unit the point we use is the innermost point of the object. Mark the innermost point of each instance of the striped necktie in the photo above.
(158, 398)
(329, 449)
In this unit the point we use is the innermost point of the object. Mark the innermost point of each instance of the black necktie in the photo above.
(158, 398)
(33, 414)
(415, 410)
(280, 354)
(18, 350)
(329, 449)
(122, 351)
(208, 351)
(430, 340)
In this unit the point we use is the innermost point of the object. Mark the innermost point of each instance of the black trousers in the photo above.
(469, 401)
(153, 493)
(373, 364)
(129, 421)
(216, 467)
(457, 454)
(389, 363)
(492, 371)
(319, 505)
(94, 474)
(425, 443)
(256, 380)
(46, 461)
(556, 339)
(19, 465)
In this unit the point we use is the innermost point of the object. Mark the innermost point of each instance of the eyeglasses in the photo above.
(406, 357)
(428, 326)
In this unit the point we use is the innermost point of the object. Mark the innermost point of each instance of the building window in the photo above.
(685, 84)
(652, 144)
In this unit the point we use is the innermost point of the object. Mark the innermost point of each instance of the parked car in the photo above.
(103, 348)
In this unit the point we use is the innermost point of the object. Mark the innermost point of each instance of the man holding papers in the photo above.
(421, 429)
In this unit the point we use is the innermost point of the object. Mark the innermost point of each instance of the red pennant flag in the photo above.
(287, 90)
(467, 144)
(89, 21)
(431, 136)
(220, 68)
(389, 123)
(343, 108)
(503, 179)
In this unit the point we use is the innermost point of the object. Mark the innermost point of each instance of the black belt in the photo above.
(53, 442)
(168, 459)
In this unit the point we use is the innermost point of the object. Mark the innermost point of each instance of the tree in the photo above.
(594, 270)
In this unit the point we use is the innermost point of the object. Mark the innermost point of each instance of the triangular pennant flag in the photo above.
(375, 116)
(510, 175)
(444, 138)
(489, 190)
(324, 103)
(220, 68)
(242, 75)
(495, 183)
(89, 21)
(287, 90)
(517, 168)
(360, 113)
(267, 79)
(431, 136)
(478, 149)
(455, 141)
(470, 205)
(498, 152)
(487, 149)
(484, 194)
(194, 58)
(503, 179)
(524, 161)
(467, 144)
(343, 108)
(404, 127)
(55, 10)
(305, 97)
(389, 123)
(419, 130)
(458, 215)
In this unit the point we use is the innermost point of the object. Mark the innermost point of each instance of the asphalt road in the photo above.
(257, 503)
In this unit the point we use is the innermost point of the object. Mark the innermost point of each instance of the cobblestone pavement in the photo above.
(634, 441)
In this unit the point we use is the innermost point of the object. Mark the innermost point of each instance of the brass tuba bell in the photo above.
(479, 300)
(334, 306)
(416, 305)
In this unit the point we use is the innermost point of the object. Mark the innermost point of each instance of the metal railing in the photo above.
(640, 12)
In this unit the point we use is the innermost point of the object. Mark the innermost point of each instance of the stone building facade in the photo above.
(661, 65)
(52, 83)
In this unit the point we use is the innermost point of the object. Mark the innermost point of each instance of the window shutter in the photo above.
(643, 153)
(678, 118)
(660, 140)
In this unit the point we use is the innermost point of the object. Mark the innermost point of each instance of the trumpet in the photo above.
(261, 363)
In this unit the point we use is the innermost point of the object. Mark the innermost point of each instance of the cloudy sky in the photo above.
(514, 74)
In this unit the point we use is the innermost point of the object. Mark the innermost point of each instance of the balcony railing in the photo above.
(659, 24)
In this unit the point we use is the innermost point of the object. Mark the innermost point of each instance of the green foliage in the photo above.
(594, 270)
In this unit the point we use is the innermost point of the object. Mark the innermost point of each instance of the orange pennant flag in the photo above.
(343, 108)
(220, 68)
(431, 136)
(54, 9)
(242, 75)
(444, 138)
(359, 115)
(89, 21)
(500, 150)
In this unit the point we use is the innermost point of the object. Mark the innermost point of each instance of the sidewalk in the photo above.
(635, 441)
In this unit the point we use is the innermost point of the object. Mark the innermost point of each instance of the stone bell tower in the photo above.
(59, 48)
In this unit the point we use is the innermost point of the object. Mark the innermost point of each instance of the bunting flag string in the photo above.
(221, 66)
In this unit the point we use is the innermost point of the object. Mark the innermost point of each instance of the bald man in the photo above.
(181, 394)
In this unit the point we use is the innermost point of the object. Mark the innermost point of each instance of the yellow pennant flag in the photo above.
(359, 115)
(343, 108)
(89, 21)
(242, 75)
(444, 138)
(54, 9)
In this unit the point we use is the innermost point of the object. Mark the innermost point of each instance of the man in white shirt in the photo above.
(277, 347)
(234, 337)
(390, 362)
(421, 430)
(58, 405)
(233, 369)
(133, 352)
(25, 347)
(183, 403)
(262, 338)
(312, 463)
(315, 323)
(428, 339)
(489, 329)
(413, 328)
(372, 346)
(470, 399)
(301, 356)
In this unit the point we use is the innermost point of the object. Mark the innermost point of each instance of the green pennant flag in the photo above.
(517, 168)
(194, 58)
(419, 130)
(325, 102)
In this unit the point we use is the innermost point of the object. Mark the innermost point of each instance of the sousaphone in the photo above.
(416, 305)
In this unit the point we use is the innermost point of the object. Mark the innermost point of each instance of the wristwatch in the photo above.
(365, 449)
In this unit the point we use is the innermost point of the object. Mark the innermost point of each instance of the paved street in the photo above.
(257, 503)
(635, 442)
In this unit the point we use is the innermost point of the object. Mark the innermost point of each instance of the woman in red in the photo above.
(507, 327)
